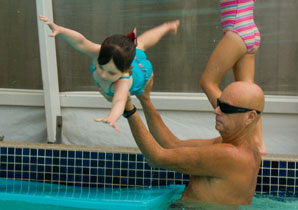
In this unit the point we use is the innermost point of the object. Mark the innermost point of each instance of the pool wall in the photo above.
(111, 167)
(28, 124)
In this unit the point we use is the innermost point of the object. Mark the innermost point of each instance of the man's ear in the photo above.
(252, 115)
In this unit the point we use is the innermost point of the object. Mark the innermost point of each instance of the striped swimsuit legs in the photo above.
(237, 16)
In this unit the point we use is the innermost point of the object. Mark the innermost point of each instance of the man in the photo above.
(224, 169)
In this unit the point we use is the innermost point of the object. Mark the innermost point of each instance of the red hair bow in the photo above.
(133, 36)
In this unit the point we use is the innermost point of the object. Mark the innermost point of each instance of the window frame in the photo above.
(162, 100)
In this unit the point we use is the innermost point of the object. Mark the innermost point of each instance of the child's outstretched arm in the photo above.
(121, 93)
(152, 36)
(74, 38)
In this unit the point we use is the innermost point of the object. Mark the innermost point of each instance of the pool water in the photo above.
(264, 202)
(270, 202)
(15, 195)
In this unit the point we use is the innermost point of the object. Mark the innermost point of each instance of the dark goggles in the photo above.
(229, 109)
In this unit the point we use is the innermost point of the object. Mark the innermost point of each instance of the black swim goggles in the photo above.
(229, 109)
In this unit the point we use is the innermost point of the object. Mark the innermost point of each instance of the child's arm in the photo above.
(151, 37)
(119, 100)
(74, 38)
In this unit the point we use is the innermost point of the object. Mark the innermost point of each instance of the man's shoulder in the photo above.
(236, 155)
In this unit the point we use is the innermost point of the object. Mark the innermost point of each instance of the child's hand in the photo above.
(173, 25)
(110, 121)
(52, 26)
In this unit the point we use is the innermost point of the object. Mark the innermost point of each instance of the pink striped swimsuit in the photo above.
(237, 16)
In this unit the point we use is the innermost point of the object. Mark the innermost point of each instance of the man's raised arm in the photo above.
(209, 160)
(160, 131)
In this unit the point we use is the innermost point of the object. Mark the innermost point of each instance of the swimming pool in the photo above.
(112, 169)
(16, 194)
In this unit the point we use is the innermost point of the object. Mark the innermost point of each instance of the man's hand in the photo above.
(52, 26)
(146, 95)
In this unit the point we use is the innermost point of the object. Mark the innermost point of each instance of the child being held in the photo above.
(119, 65)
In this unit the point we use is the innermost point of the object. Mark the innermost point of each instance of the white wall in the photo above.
(28, 124)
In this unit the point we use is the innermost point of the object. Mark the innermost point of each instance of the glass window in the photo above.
(19, 48)
(178, 61)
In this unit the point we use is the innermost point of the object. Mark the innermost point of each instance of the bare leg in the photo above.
(244, 70)
(151, 37)
(226, 54)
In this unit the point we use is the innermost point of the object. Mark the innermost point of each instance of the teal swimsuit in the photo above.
(141, 73)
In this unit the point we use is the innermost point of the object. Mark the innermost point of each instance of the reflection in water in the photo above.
(190, 205)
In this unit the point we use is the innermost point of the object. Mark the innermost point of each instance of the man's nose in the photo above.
(217, 110)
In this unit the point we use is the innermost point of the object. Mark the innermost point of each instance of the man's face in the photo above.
(226, 123)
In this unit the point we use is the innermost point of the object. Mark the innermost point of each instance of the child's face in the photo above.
(109, 71)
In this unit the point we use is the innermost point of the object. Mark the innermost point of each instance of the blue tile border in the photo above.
(278, 177)
(115, 170)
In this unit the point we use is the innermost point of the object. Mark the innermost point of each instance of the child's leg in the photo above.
(244, 70)
(151, 37)
(227, 52)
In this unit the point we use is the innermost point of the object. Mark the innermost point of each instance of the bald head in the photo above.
(244, 94)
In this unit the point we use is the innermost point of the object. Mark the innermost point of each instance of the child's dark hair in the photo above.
(120, 48)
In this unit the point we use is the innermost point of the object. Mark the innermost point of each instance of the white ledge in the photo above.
(162, 100)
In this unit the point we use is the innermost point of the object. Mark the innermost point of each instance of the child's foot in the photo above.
(173, 25)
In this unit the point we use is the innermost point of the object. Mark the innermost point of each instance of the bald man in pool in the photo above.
(222, 170)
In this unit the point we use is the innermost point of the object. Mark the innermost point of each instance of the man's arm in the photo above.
(160, 131)
(210, 160)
